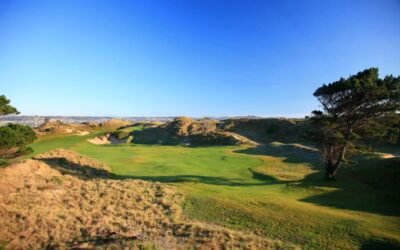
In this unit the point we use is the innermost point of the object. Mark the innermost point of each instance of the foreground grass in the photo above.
(275, 190)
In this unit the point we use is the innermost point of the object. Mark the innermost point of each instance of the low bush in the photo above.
(266, 129)
(121, 134)
(3, 163)
(212, 138)
(14, 138)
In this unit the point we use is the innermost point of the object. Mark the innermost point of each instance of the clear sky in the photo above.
(194, 58)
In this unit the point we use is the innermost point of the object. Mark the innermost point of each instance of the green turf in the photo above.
(275, 190)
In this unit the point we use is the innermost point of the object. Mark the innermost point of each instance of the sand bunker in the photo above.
(82, 133)
(65, 200)
(105, 139)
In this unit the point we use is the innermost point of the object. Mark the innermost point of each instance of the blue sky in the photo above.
(194, 58)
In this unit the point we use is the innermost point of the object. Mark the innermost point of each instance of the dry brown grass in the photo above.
(58, 127)
(64, 200)
(115, 123)
(187, 131)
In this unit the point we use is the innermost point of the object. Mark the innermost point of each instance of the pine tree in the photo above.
(353, 108)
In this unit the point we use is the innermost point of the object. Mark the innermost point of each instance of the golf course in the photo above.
(275, 190)
(200, 125)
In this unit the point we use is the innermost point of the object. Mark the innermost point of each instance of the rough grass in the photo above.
(274, 190)
(189, 132)
(65, 200)
(266, 129)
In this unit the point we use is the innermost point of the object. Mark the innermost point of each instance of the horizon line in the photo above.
(159, 116)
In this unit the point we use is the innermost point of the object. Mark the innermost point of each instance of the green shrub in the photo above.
(24, 150)
(57, 180)
(121, 134)
(266, 129)
(15, 136)
(212, 138)
(3, 163)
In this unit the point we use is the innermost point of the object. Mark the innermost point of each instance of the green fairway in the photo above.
(274, 190)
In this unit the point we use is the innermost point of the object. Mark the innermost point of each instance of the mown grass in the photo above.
(275, 190)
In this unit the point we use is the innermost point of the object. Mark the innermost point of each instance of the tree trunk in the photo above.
(331, 171)
(333, 166)
(9, 152)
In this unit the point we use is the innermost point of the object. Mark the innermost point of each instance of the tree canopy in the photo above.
(16, 135)
(359, 106)
(13, 137)
(5, 107)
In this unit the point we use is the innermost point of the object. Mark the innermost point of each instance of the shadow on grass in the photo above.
(370, 186)
(101, 241)
(381, 245)
(291, 153)
(264, 177)
(88, 172)
(81, 171)
(199, 179)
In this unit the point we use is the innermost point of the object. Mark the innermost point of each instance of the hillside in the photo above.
(266, 129)
(56, 127)
(64, 200)
(187, 131)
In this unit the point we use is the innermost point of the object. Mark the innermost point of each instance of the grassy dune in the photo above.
(274, 190)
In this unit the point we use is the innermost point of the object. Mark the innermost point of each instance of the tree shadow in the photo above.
(381, 245)
(293, 153)
(370, 186)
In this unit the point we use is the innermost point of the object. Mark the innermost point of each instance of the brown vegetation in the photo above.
(65, 200)
(114, 123)
(266, 129)
(185, 126)
(58, 127)
(187, 131)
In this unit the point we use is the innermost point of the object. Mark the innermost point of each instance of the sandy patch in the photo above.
(82, 133)
(105, 139)
(387, 156)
